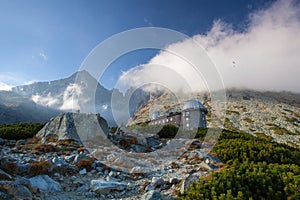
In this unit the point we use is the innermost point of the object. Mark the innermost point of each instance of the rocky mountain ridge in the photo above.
(80, 91)
(273, 114)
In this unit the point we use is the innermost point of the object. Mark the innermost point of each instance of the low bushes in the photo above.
(19, 131)
(168, 131)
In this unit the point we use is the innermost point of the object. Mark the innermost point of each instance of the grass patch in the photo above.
(229, 112)
(280, 131)
(263, 136)
(248, 120)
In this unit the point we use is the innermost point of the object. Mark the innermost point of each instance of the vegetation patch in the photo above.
(248, 120)
(229, 112)
(256, 168)
(297, 115)
(263, 136)
(292, 119)
(228, 125)
(280, 131)
(19, 131)
(41, 167)
(168, 131)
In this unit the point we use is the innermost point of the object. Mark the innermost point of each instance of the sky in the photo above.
(253, 43)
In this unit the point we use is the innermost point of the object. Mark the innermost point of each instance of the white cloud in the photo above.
(74, 98)
(264, 56)
(43, 55)
(5, 87)
(48, 100)
(104, 107)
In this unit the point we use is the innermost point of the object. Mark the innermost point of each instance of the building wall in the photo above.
(193, 119)
(188, 119)
(173, 119)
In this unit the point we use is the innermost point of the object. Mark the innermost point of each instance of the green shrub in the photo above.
(256, 168)
(19, 131)
(249, 180)
(168, 131)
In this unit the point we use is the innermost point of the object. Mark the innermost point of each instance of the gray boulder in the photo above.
(187, 182)
(17, 191)
(45, 184)
(104, 187)
(75, 126)
(155, 195)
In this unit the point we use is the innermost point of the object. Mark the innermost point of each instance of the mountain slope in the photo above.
(82, 92)
(273, 114)
(15, 108)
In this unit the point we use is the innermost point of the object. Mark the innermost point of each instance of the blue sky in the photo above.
(48, 40)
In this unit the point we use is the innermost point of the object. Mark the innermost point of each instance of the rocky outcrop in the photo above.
(74, 126)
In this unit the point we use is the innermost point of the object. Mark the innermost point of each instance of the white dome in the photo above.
(193, 104)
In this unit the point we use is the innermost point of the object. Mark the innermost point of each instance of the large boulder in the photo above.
(45, 184)
(14, 190)
(75, 126)
(104, 187)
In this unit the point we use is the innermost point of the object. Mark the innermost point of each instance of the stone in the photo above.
(83, 188)
(153, 142)
(23, 168)
(187, 182)
(70, 158)
(45, 184)
(79, 157)
(20, 142)
(139, 148)
(99, 169)
(5, 196)
(157, 181)
(17, 191)
(142, 140)
(5, 176)
(155, 195)
(83, 171)
(58, 162)
(173, 181)
(104, 187)
(112, 174)
(75, 126)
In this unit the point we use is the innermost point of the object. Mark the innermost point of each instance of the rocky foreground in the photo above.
(62, 163)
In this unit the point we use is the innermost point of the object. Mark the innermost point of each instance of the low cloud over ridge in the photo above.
(265, 56)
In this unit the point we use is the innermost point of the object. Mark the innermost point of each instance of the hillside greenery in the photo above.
(20, 130)
(256, 168)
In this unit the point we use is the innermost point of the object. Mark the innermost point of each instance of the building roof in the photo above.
(193, 104)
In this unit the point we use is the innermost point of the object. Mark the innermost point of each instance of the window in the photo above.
(167, 120)
(187, 125)
(171, 119)
(187, 119)
(187, 113)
